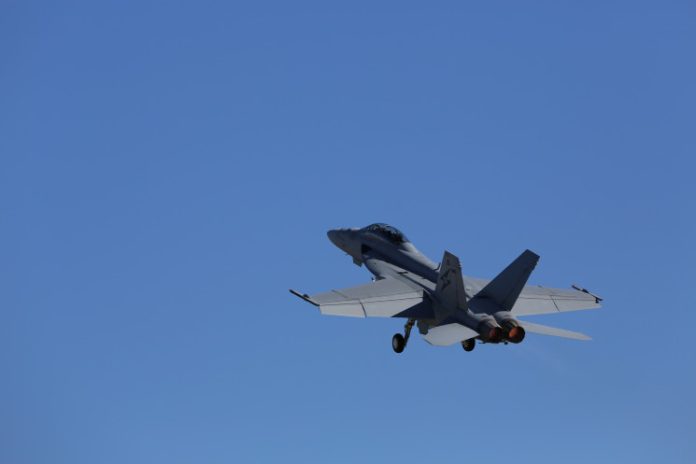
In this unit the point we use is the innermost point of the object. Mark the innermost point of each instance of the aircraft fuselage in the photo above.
(386, 255)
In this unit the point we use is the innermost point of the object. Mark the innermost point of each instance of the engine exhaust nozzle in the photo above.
(494, 335)
(513, 332)
(516, 334)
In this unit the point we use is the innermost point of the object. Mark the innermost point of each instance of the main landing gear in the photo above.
(399, 341)
(469, 344)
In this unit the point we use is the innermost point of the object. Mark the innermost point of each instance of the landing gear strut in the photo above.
(469, 344)
(399, 341)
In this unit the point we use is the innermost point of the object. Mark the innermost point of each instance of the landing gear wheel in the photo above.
(398, 343)
(469, 344)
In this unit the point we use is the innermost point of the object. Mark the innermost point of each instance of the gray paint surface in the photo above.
(448, 306)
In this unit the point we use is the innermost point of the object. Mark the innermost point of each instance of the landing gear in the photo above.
(399, 341)
(469, 344)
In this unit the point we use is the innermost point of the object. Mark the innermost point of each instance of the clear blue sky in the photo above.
(168, 170)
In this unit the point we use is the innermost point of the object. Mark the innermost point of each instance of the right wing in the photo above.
(542, 300)
(383, 298)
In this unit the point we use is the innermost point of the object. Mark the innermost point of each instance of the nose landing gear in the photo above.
(399, 341)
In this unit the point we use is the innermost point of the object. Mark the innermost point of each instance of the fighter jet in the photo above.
(446, 306)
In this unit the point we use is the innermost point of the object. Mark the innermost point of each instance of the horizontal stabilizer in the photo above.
(553, 331)
(449, 334)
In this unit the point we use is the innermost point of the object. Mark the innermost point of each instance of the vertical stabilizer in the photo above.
(450, 286)
(501, 293)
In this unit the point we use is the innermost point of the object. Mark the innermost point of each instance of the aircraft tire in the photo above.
(469, 344)
(398, 343)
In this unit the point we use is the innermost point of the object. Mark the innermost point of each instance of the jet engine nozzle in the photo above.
(494, 335)
(515, 334)
(512, 330)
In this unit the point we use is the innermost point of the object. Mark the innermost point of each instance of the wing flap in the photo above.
(349, 309)
(390, 307)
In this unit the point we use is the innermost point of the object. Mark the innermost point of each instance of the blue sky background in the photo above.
(168, 170)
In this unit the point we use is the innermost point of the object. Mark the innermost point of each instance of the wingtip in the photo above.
(597, 298)
(296, 293)
(303, 296)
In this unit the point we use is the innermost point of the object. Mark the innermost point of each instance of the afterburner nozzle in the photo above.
(495, 335)
(516, 334)
(512, 330)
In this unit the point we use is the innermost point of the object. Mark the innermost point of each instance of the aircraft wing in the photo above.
(543, 300)
(384, 298)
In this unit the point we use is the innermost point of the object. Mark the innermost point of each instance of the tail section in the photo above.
(450, 285)
(501, 293)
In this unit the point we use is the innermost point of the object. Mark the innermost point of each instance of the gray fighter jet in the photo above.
(447, 307)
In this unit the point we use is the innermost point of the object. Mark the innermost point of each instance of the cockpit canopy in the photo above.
(388, 232)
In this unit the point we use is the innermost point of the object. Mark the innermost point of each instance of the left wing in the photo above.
(384, 298)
